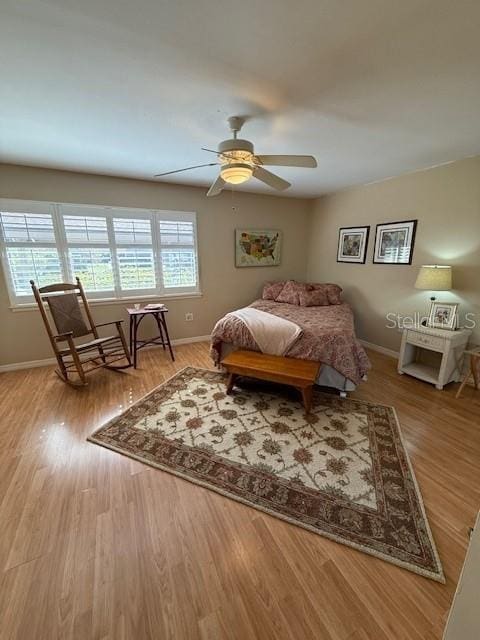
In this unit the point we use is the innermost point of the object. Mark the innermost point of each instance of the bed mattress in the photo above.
(328, 336)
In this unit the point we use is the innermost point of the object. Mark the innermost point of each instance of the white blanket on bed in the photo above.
(273, 335)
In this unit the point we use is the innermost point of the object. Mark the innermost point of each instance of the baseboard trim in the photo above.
(380, 349)
(28, 364)
(190, 340)
(32, 364)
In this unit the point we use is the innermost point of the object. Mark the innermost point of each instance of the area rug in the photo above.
(341, 471)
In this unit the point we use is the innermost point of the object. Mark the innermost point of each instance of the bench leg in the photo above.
(231, 381)
(307, 398)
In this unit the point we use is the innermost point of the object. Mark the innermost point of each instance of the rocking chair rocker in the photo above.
(82, 358)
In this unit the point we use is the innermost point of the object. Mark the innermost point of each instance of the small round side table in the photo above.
(136, 316)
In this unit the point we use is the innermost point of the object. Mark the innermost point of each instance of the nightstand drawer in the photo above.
(435, 343)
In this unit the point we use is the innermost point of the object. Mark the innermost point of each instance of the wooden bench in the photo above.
(300, 374)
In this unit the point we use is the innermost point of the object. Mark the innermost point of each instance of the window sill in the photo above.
(97, 302)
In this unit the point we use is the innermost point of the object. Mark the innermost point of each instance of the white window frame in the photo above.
(58, 210)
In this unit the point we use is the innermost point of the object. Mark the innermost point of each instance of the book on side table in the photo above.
(154, 307)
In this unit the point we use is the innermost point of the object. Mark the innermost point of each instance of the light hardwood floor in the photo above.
(95, 545)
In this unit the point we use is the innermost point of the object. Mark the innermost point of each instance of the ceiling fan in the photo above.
(238, 163)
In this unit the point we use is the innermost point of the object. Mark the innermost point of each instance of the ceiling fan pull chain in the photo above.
(233, 192)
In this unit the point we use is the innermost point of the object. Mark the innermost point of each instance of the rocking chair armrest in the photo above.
(63, 336)
(105, 324)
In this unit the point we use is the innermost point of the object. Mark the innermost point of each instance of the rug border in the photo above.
(420, 498)
(437, 577)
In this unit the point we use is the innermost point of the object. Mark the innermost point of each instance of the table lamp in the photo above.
(434, 277)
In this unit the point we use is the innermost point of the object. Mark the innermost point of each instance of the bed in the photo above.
(328, 336)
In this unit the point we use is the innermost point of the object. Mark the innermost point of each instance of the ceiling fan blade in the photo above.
(216, 187)
(271, 179)
(288, 161)
(218, 153)
(197, 166)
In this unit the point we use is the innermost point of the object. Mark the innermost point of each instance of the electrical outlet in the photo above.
(188, 317)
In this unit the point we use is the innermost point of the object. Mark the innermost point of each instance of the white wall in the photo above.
(446, 202)
(225, 287)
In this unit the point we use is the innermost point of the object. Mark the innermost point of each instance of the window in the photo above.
(136, 261)
(115, 252)
(177, 252)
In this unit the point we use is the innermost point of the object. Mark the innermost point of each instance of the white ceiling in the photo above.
(372, 88)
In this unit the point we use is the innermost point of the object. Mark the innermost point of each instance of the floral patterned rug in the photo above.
(341, 471)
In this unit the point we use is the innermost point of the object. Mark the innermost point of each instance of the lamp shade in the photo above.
(434, 278)
(236, 172)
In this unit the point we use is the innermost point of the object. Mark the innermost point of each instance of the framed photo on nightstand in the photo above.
(443, 315)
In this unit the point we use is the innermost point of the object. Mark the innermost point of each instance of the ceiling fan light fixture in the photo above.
(236, 172)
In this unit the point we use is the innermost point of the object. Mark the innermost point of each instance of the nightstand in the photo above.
(450, 344)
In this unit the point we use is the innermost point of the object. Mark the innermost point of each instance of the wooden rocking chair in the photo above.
(63, 302)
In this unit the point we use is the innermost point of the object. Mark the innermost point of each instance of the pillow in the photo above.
(290, 292)
(332, 291)
(314, 298)
(272, 289)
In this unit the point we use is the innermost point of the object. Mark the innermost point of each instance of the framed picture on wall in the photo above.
(352, 244)
(257, 247)
(394, 242)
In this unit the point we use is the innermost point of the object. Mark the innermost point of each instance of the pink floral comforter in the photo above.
(328, 336)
